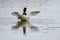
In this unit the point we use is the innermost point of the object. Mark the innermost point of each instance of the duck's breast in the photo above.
(25, 17)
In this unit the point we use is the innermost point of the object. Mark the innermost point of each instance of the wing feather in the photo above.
(34, 13)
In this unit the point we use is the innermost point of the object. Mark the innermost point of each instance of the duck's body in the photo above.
(24, 16)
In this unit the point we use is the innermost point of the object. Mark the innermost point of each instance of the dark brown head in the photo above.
(24, 11)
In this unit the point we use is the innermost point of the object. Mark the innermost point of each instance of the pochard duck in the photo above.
(24, 19)
(24, 16)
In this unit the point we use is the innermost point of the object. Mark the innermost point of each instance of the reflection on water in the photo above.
(24, 24)
(45, 25)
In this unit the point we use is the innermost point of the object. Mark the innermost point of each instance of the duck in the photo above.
(24, 19)
(25, 16)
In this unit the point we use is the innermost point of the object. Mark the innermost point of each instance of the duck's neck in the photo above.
(24, 11)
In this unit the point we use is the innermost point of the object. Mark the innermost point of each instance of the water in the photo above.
(47, 21)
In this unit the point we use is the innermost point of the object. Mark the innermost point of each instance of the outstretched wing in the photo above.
(17, 14)
(34, 13)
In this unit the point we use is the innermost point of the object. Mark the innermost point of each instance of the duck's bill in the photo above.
(34, 13)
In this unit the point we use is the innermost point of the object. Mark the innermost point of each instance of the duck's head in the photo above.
(15, 13)
(24, 11)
